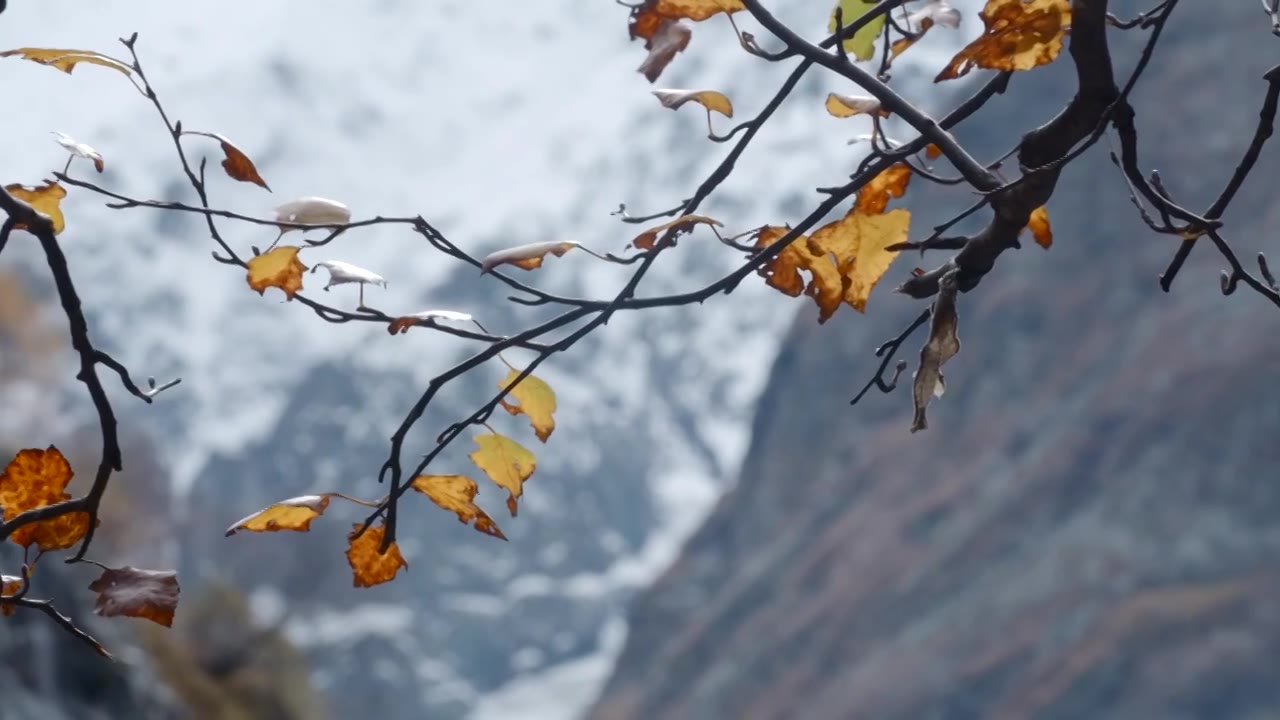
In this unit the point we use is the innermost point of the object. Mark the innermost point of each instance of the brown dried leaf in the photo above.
(237, 163)
(278, 268)
(933, 152)
(457, 493)
(148, 594)
(942, 345)
(1039, 225)
(34, 479)
(46, 198)
(1019, 35)
(695, 9)
(427, 318)
(671, 37)
(534, 398)
(507, 463)
(368, 566)
(709, 99)
(679, 226)
(292, 514)
(526, 257)
(66, 60)
(874, 197)
(657, 22)
(843, 106)
(9, 585)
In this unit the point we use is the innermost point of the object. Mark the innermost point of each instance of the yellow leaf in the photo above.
(843, 106)
(534, 398)
(1019, 35)
(66, 60)
(709, 99)
(1039, 225)
(507, 463)
(45, 198)
(695, 9)
(278, 268)
(863, 43)
(874, 197)
(35, 479)
(368, 566)
(292, 514)
(682, 224)
(457, 494)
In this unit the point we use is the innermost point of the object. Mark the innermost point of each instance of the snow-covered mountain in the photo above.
(502, 124)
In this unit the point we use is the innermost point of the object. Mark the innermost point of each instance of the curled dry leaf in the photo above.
(292, 514)
(148, 594)
(1039, 225)
(942, 345)
(921, 21)
(312, 211)
(278, 268)
(863, 43)
(34, 479)
(368, 566)
(709, 99)
(457, 494)
(1019, 35)
(46, 198)
(236, 163)
(341, 273)
(507, 463)
(892, 182)
(9, 585)
(426, 317)
(79, 149)
(695, 9)
(843, 106)
(658, 23)
(683, 224)
(526, 257)
(535, 398)
(66, 60)
(671, 37)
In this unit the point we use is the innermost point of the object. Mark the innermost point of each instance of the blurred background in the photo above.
(1087, 530)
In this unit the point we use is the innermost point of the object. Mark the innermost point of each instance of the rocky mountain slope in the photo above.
(1089, 528)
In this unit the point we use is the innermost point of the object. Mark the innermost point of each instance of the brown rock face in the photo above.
(1090, 528)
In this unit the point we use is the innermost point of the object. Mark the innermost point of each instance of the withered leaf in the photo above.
(526, 257)
(33, 479)
(709, 99)
(278, 268)
(507, 463)
(427, 317)
(292, 514)
(128, 591)
(66, 60)
(891, 182)
(79, 149)
(1039, 226)
(933, 152)
(46, 198)
(368, 566)
(9, 585)
(457, 494)
(671, 37)
(236, 163)
(942, 345)
(1019, 35)
(532, 397)
(695, 9)
(843, 106)
(682, 224)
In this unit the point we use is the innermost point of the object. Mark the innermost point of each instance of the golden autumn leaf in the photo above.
(66, 60)
(1039, 225)
(457, 494)
(9, 585)
(874, 197)
(278, 268)
(128, 591)
(526, 257)
(863, 43)
(709, 99)
(843, 106)
(46, 198)
(368, 566)
(507, 463)
(682, 224)
(36, 478)
(933, 152)
(236, 163)
(1019, 35)
(534, 398)
(292, 514)
(695, 9)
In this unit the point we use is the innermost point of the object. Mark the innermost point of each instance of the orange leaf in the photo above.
(66, 60)
(933, 152)
(507, 463)
(535, 398)
(148, 594)
(45, 198)
(695, 9)
(278, 268)
(682, 224)
(292, 514)
(1019, 35)
(874, 197)
(526, 257)
(9, 584)
(237, 164)
(35, 479)
(368, 565)
(656, 21)
(457, 493)
(1040, 230)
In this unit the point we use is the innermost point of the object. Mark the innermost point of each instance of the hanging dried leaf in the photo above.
(1039, 225)
(671, 37)
(942, 345)
(278, 268)
(843, 106)
(237, 163)
(368, 566)
(318, 211)
(9, 585)
(46, 198)
(66, 60)
(526, 257)
(148, 594)
(341, 273)
(534, 398)
(695, 9)
(679, 226)
(709, 99)
(457, 493)
(874, 197)
(1019, 35)
(79, 149)
(921, 21)
(292, 514)
(863, 43)
(34, 479)
(507, 463)
(427, 318)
